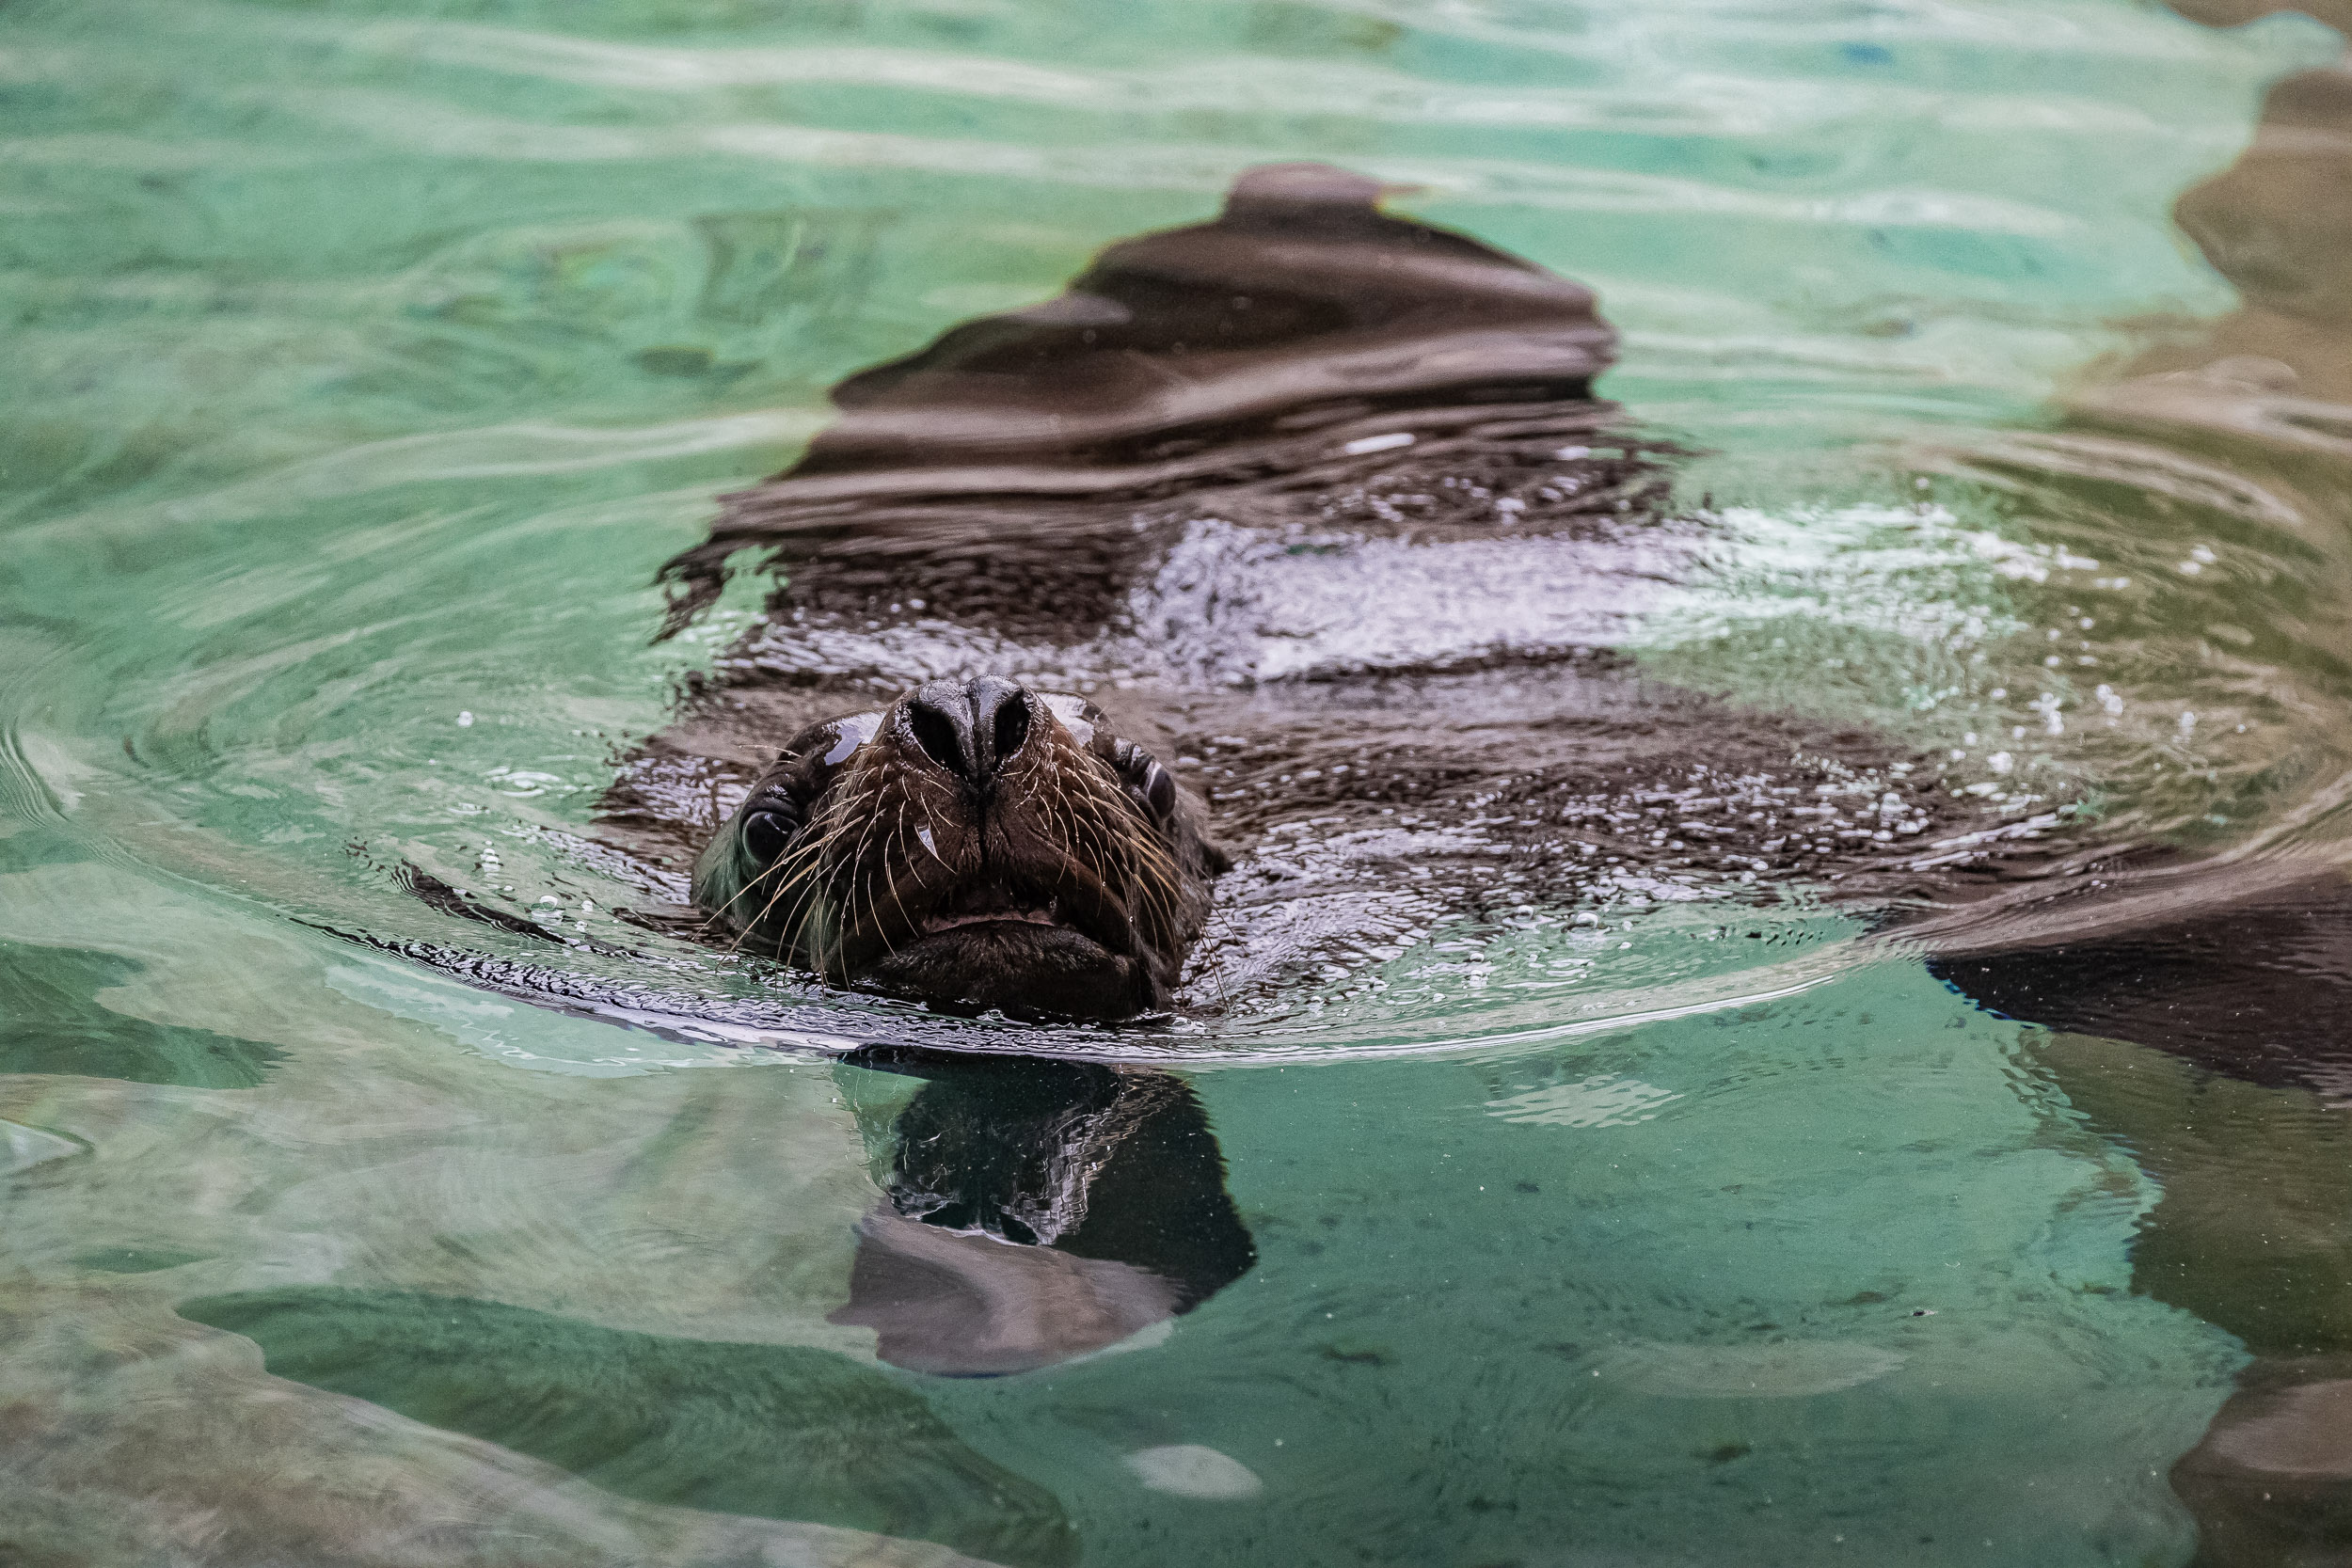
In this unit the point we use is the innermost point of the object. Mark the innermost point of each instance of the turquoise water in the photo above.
(365, 363)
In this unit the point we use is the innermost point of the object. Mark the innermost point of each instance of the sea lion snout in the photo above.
(976, 843)
(970, 728)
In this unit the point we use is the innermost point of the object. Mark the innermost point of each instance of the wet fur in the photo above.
(889, 836)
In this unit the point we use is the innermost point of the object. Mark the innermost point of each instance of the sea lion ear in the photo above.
(1155, 786)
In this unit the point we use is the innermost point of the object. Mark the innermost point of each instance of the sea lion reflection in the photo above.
(1039, 1211)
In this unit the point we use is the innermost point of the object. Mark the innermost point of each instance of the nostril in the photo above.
(936, 734)
(1012, 728)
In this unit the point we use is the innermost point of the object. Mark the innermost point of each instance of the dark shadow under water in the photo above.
(1036, 1210)
(781, 1431)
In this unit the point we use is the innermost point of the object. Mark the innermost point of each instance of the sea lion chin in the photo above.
(975, 845)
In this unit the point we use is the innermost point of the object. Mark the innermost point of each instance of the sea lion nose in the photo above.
(971, 728)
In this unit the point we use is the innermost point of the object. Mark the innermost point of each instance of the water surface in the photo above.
(368, 361)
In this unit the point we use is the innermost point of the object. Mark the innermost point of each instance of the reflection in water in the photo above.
(2232, 1093)
(2278, 225)
(2252, 1233)
(1036, 1210)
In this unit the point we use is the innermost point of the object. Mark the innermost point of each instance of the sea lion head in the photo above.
(975, 844)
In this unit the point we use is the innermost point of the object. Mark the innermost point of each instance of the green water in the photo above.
(362, 363)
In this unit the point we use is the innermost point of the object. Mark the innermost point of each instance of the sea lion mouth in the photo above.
(935, 923)
(994, 946)
(998, 919)
(995, 905)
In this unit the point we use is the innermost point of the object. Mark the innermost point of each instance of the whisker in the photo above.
(856, 866)
(898, 837)
(803, 859)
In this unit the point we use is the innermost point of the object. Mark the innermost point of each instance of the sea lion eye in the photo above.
(766, 834)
